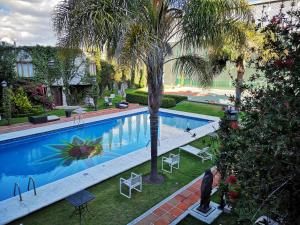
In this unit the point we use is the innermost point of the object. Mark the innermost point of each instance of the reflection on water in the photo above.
(52, 156)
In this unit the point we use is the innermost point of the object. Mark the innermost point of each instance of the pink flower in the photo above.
(233, 194)
(231, 180)
(234, 125)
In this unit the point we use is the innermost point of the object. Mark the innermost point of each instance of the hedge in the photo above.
(143, 99)
(177, 98)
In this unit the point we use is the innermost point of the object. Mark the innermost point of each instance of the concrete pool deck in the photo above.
(12, 208)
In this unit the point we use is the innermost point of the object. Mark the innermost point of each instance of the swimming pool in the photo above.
(50, 156)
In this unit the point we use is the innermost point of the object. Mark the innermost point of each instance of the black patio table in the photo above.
(80, 201)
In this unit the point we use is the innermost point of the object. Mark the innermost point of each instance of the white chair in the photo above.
(112, 96)
(173, 161)
(108, 101)
(201, 153)
(134, 182)
(79, 111)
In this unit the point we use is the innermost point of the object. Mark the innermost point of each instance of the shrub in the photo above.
(141, 92)
(143, 99)
(168, 102)
(20, 102)
(6, 105)
(177, 98)
(137, 98)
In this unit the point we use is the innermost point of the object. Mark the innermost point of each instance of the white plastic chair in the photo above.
(201, 153)
(134, 182)
(173, 161)
(79, 111)
(108, 101)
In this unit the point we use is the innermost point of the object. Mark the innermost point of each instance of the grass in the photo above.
(200, 108)
(110, 208)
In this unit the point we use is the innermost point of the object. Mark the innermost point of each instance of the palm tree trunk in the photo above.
(155, 86)
(132, 73)
(239, 80)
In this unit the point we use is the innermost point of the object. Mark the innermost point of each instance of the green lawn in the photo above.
(110, 208)
(200, 108)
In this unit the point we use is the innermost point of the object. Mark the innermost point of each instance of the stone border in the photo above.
(12, 208)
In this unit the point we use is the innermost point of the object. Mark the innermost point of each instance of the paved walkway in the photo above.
(175, 206)
(24, 126)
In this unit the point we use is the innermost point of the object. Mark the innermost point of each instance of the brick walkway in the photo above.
(24, 126)
(174, 206)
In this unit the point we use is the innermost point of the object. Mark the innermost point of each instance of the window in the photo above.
(24, 65)
(92, 68)
(24, 69)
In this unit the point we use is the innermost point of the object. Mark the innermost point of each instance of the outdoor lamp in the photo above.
(4, 84)
(51, 62)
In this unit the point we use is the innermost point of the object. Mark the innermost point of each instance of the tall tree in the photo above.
(190, 24)
(238, 51)
(71, 62)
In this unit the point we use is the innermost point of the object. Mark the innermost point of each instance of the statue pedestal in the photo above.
(207, 217)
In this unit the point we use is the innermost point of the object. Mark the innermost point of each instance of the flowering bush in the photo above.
(231, 188)
(264, 151)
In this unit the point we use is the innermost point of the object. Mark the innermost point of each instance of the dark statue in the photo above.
(205, 189)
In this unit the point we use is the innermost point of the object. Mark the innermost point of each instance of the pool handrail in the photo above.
(33, 184)
(18, 186)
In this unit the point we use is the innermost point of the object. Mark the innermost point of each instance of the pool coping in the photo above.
(12, 209)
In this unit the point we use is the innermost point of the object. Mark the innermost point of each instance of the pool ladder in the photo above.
(33, 184)
(17, 188)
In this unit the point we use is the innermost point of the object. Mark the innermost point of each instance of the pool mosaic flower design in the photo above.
(76, 149)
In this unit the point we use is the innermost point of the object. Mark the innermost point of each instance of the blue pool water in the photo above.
(54, 155)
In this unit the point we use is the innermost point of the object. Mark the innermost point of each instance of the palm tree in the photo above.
(238, 52)
(186, 23)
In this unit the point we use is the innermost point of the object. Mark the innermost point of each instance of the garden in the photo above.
(256, 151)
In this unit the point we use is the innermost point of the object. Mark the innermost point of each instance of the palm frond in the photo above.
(205, 22)
(194, 67)
(87, 22)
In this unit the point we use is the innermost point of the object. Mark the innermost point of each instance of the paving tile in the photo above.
(173, 201)
(194, 198)
(166, 206)
(176, 212)
(179, 198)
(148, 220)
(168, 217)
(159, 211)
(193, 189)
(186, 193)
(182, 206)
(188, 202)
(162, 222)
